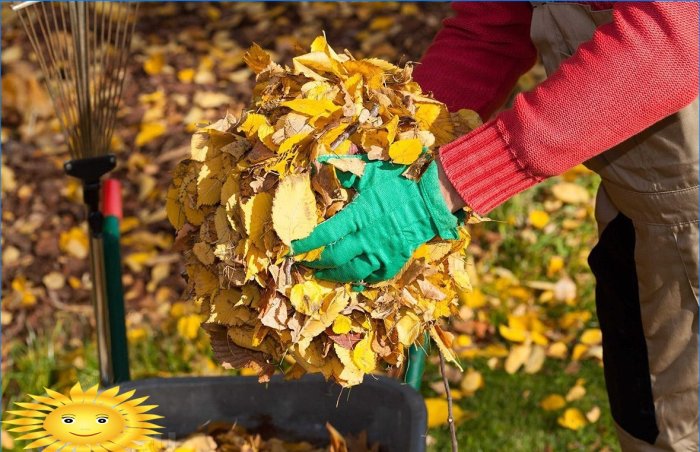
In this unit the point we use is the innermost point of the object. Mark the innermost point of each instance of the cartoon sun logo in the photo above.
(85, 421)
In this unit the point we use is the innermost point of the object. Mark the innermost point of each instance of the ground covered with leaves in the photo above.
(526, 336)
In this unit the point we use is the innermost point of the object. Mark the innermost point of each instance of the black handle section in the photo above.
(90, 170)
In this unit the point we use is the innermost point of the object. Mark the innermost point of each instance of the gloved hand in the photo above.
(372, 238)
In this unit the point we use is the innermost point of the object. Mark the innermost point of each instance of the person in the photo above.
(621, 96)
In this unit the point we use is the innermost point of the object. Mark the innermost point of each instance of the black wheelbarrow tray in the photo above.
(393, 414)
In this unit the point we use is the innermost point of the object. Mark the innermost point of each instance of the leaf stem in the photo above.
(450, 416)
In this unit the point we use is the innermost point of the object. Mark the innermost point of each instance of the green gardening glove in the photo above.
(373, 237)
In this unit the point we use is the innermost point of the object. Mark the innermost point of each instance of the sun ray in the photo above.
(34, 406)
(58, 396)
(34, 435)
(41, 442)
(23, 421)
(143, 408)
(46, 401)
(26, 428)
(27, 413)
(53, 447)
(135, 402)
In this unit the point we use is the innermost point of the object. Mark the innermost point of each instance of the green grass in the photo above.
(507, 415)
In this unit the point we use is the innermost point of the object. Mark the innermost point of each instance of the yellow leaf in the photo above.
(426, 114)
(173, 208)
(512, 334)
(572, 419)
(592, 336)
(311, 107)
(204, 253)
(186, 75)
(342, 324)
(405, 152)
(204, 281)
(579, 351)
(443, 340)
(392, 128)
(538, 218)
(154, 64)
(593, 415)
(350, 165)
(553, 402)
(253, 121)
(188, 326)
(306, 297)
(472, 382)
(294, 208)
(442, 128)
(517, 357)
(136, 335)
(292, 141)
(149, 132)
(570, 193)
(257, 59)
(556, 263)
(309, 256)
(74, 242)
(463, 340)
(372, 74)
(557, 350)
(23, 288)
(574, 319)
(408, 328)
(208, 192)
(437, 412)
(474, 299)
(535, 360)
(257, 213)
(230, 191)
(465, 121)
(348, 374)
(575, 393)
(382, 23)
(363, 356)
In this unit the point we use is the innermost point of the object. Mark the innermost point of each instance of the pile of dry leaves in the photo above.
(227, 437)
(252, 185)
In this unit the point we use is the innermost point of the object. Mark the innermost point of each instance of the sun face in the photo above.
(85, 421)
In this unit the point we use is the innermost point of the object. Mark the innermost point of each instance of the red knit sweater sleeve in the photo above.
(477, 57)
(636, 70)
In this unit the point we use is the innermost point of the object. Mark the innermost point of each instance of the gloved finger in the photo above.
(330, 231)
(355, 270)
(390, 269)
(339, 253)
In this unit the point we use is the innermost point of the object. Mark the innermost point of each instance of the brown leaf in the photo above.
(416, 169)
(232, 356)
(337, 441)
(274, 314)
(347, 340)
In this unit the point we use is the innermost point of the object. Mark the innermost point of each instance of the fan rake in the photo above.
(82, 49)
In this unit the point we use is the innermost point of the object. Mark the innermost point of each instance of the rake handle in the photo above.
(89, 171)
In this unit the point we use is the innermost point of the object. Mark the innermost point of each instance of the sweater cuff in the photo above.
(483, 169)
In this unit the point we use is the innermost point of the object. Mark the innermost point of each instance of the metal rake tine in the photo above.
(21, 5)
